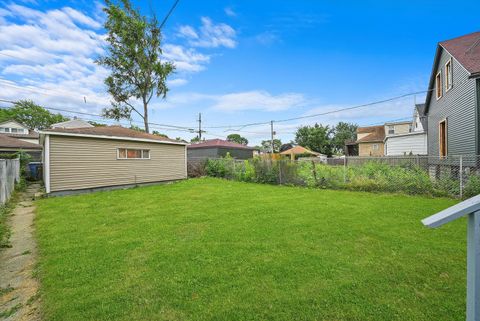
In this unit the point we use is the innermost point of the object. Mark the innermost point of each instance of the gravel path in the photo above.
(18, 285)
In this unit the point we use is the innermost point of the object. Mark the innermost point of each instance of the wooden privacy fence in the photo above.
(9, 175)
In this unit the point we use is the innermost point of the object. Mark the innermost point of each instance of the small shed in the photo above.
(215, 148)
(89, 158)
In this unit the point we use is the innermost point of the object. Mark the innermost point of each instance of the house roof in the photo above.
(110, 132)
(215, 143)
(73, 123)
(465, 50)
(31, 134)
(14, 143)
(376, 134)
(13, 121)
(298, 150)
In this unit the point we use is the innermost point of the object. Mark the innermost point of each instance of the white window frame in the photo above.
(140, 149)
(375, 147)
(448, 75)
(439, 85)
(391, 127)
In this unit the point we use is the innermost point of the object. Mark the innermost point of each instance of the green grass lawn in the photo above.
(209, 249)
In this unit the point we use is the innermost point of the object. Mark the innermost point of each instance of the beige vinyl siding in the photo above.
(79, 163)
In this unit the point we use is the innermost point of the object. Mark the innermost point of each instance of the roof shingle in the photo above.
(111, 131)
(14, 143)
(466, 50)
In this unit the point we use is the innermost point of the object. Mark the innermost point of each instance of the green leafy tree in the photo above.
(316, 137)
(94, 123)
(31, 115)
(156, 132)
(134, 60)
(343, 132)
(195, 139)
(266, 145)
(236, 138)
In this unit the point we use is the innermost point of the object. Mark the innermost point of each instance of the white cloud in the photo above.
(185, 59)
(209, 35)
(267, 38)
(258, 100)
(50, 54)
(229, 12)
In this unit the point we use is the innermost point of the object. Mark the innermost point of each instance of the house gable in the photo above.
(456, 105)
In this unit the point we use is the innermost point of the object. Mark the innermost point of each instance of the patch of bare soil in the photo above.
(19, 298)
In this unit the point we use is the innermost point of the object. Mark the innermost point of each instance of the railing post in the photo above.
(473, 267)
(460, 174)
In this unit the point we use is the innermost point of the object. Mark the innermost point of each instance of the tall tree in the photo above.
(134, 60)
(236, 138)
(31, 115)
(266, 145)
(316, 137)
(343, 132)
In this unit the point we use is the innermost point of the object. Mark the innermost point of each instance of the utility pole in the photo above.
(271, 138)
(200, 126)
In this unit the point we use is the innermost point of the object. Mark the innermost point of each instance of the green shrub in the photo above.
(472, 187)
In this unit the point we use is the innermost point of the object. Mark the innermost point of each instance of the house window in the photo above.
(448, 75)
(438, 84)
(130, 153)
(410, 128)
(391, 129)
(443, 138)
(375, 147)
(4, 130)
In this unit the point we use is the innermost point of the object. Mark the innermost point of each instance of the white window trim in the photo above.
(141, 149)
(448, 76)
(436, 85)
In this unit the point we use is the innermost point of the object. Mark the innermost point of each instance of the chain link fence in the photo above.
(452, 176)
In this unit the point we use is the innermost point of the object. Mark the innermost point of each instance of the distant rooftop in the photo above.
(211, 143)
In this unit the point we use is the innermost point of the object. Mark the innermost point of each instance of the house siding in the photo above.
(83, 163)
(415, 144)
(458, 106)
(215, 152)
(366, 149)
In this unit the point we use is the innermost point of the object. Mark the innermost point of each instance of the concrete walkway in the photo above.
(18, 286)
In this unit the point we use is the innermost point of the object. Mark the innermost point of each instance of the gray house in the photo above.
(215, 148)
(453, 100)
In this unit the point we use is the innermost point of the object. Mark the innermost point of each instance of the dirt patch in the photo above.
(19, 299)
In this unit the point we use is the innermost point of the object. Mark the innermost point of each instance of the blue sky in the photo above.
(240, 61)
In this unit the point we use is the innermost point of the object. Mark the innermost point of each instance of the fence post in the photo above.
(460, 174)
(3, 181)
(345, 169)
(280, 171)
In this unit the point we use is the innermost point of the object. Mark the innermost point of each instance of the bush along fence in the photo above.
(9, 176)
(453, 176)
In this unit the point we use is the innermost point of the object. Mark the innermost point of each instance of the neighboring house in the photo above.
(370, 141)
(15, 137)
(301, 151)
(407, 138)
(215, 148)
(453, 100)
(74, 123)
(10, 145)
(78, 159)
(14, 129)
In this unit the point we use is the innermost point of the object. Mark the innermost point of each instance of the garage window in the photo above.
(130, 153)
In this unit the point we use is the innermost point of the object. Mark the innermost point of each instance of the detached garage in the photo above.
(78, 159)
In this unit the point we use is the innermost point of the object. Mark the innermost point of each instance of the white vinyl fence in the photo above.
(9, 176)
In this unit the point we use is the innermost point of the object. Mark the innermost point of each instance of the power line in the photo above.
(324, 113)
(169, 13)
